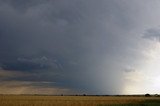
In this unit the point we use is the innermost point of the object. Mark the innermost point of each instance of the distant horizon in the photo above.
(84, 94)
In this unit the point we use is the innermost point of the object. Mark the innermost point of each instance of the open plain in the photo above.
(35, 100)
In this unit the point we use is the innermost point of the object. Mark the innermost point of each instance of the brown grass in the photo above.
(23, 100)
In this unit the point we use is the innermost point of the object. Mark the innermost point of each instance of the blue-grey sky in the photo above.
(79, 46)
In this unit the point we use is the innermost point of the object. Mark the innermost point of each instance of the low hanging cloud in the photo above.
(30, 64)
(129, 69)
(152, 34)
(28, 87)
(20, 82)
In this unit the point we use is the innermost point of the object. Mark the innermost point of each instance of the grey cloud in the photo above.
(129, 69)
(152, 34)
(22, 5)
(31, 87)
(78, 44)
(63, 31)
(24, 66)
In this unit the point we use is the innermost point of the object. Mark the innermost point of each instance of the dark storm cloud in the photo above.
(73, 43)
(23, 64)
(21, 5)
(71, 32)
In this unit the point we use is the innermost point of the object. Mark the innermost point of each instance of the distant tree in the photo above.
(84, 94)
(156, 95)
(147, 95)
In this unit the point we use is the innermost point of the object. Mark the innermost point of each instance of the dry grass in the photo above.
(22, 100)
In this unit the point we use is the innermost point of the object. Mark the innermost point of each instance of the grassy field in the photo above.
(24, 100)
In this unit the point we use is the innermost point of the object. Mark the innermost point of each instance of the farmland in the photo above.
(33, 100)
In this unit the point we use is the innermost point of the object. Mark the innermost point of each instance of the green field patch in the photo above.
(144, 103)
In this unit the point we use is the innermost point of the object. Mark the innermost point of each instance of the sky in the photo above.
(79, 46)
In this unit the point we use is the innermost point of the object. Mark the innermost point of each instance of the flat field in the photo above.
(32, 100)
